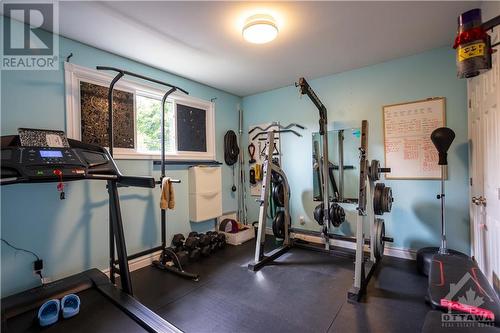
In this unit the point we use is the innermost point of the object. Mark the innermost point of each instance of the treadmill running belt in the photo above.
(97, 314)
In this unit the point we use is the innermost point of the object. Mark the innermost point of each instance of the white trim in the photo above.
(74, 74)
(140, 262)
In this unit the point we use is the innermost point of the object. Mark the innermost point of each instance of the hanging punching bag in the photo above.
(472, 44)
(442, 138)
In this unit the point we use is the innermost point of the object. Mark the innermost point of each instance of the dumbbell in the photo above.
(204, 244)
(178, 247)
(191, 245)
(214, 246)
(221, 240)
(218, 238)
(169, 254)
(178, 241)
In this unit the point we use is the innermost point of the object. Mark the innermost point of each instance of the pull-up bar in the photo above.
(124, 72)
(121, 73)
(118, 76)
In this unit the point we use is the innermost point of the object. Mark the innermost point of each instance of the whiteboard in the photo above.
(409, 151)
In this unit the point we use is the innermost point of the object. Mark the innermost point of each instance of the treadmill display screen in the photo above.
(50, 153)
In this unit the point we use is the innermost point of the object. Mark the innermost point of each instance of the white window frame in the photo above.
(74, 74)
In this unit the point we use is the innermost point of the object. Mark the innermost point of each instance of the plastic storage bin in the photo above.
(239, 237)
(205, 193)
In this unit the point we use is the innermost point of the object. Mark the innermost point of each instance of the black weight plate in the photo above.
(377, 199)
(279, 194)
(387, 200)
(279, 225)
(379, 238)
(374, 170)
(318, 213)
(337, 214)
(275, 177)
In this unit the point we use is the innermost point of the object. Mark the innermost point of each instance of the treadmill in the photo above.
(41, 156)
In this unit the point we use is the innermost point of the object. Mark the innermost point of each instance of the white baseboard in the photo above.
(140, 262)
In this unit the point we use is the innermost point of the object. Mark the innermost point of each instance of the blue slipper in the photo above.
(48, 313)
(70, 305)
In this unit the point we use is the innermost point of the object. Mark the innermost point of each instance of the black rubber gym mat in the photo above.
(303, 291)
(395, 302)
(97, 314)
(268, 301)
(156, 288)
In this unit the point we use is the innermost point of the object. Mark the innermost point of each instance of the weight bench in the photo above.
(456, 283)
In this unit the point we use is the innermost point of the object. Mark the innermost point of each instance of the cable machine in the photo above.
(161, 264)
(329, 213)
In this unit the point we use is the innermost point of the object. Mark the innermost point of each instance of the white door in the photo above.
(484, 136)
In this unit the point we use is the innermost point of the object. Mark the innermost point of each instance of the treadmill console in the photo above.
(36, 162)
(39, 156)
(50, 156)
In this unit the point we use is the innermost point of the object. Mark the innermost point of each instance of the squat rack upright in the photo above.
(364, 266)
(113, 270)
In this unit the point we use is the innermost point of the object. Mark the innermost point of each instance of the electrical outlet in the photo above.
(302, 220)
(38, 265)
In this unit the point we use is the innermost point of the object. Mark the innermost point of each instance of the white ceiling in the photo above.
(202, 40)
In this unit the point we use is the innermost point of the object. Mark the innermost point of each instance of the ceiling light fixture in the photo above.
(260, 29)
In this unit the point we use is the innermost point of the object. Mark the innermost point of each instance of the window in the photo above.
(94, 116)
(189, 122)
(148, 118)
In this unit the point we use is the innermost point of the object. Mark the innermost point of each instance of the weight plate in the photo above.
(374, 170)
(318, 213)
(275, 177)
(378, 247)
(382, 199)
(337, 214)
(377, 198)
(387, 199)
(279, 225)
(279, 195)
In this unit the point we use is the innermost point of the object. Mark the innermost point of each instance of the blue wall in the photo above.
(360, 94)
(71, 235)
